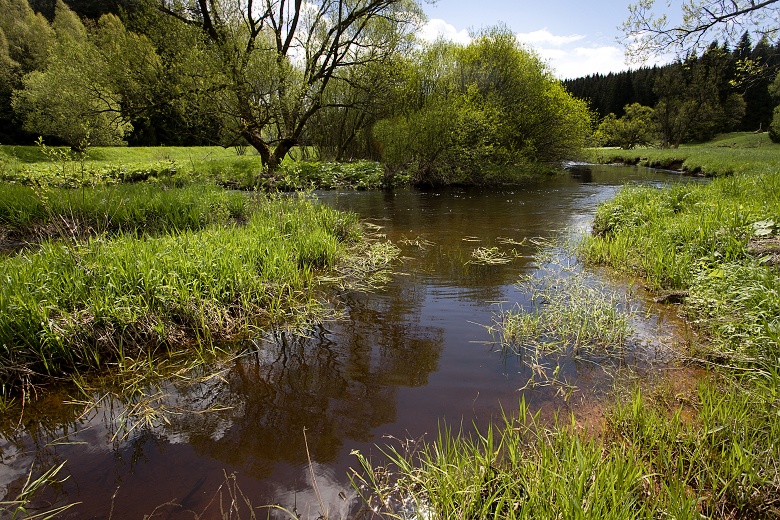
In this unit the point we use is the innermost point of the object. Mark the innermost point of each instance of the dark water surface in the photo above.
(404, 360)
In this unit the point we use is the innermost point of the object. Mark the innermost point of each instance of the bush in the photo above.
(774, 126)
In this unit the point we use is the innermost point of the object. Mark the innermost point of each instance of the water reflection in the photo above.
(403, 360)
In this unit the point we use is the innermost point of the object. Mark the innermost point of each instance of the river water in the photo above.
(404, 360)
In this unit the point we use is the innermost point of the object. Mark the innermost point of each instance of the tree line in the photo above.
(347, 78)
(692, 99)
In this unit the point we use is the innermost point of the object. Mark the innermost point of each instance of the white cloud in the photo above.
(580, 61)
(568, 56)
(545, 37)
(438, 28)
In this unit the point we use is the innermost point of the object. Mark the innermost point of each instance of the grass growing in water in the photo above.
(80, 306)
(571, 315)
(711, 454)
(651, 462)
(568, 311)
(21, 505)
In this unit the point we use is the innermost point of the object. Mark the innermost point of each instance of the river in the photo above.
(405, 360)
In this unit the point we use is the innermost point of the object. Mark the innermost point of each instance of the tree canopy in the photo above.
(272, 62)
(83, 93)
(707, 86)
(476, 112)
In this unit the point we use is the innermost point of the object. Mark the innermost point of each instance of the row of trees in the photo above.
(695, 97)
(747, 70)
(347, 77)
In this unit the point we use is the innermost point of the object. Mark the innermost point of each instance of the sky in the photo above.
(574, 38)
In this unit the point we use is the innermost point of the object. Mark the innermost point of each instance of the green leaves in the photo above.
(636, 128)
(764, 228)
(480, 113)
(74, 96)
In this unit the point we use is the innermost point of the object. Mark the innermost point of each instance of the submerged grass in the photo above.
(22, 505)
(71, 307)
(568, 311)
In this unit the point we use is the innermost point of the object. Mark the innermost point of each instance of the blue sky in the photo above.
(574, 38)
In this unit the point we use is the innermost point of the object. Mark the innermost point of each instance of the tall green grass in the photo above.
(81, 306)
(651, 462)
(697, 238)
(131, 208)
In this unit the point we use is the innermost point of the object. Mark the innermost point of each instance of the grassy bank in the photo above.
(140, 208)
(178, 166)
(709, 453)
(76, 306)
(652, 461)
(717, 241)
(726, 155)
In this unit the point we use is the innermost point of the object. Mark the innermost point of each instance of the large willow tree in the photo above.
(480, 113)
(270, 62)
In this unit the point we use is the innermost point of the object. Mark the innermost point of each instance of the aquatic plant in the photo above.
(651, 461)
(22, 505)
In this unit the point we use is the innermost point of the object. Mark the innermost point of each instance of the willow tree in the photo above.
(89, 84)
(273, 60)
(486, 113)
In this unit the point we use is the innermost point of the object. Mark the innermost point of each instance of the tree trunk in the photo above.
(271, 158)
(279, 153)
(257, 142)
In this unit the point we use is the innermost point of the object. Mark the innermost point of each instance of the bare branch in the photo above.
(649, 33)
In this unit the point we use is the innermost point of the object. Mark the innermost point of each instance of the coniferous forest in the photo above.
(745, 72)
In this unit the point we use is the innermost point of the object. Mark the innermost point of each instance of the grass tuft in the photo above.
(79, 306)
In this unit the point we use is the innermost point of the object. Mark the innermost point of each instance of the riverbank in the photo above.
(711, 452)
(727, 154)
(235, 168)
(168, 271)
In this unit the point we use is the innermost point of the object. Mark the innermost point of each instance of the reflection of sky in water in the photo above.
(405, 359)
